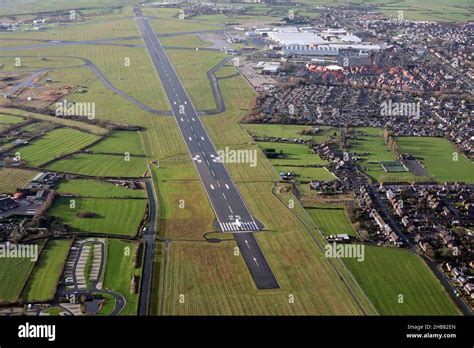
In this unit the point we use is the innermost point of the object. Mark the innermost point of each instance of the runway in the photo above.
(230, 210)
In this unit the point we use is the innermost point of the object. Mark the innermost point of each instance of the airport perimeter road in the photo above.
(231, 212)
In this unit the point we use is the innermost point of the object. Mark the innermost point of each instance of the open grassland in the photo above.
(184, 41)
(109, 216)
(12, 179)
(372, 143)
(120, 142)
(54, 144)
(292, 154)
(119, 269)
(165, 20)
(61, 121)
(290, 131)
(10, 120)
(331, 220)
(101, 165)
(181, 200)
(96, 189)
(307, 173)
(439, 156)
(44, 279)
(29, 62)
(192, 68)
(226, 70)
(28, 6)
(387, 273)
(13, 276)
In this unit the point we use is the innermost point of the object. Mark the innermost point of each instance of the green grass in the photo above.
(289, 131)
(101, 165)
(43, 281)
(13, 276)
(307, 173)
(192, 68)
(120, 142)
(294, 154)
(119, 271)
(331, 220)
(10, 120)
(184, 41)
(437, 155)
(372, 143)
(56, 143)
(112, 216)
(387, 273)
(97, 189)
(12, 179)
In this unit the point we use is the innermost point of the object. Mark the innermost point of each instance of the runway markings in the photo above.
(244, 226)
(212, 187)
(197, 159)
(190, 139)
(227, 186)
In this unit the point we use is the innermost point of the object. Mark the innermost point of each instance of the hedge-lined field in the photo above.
(43, 281)
(100, 215)
(101, 165)
(56, 143)
(97, 189)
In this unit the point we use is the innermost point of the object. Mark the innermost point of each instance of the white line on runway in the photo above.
(226, 186)
(213, 174)
(224, 196)
(182, 119)
(202, 138)
(212, 187)
(218, 184)
(190, 138)
(232, 212)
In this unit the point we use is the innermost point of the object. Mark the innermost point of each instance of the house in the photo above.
(7, 203)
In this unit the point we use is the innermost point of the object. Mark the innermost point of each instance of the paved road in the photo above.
(230, 209)
(148, 238)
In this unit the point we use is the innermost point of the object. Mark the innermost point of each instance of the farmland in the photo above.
(13, 178)
(97, 189)
(101, 165)
(292, 154)
(331, 220)
(106, 216)
(54, 144)
(120, 143)
(120, 267)
(290, 131)
(387, 273)
(45, 276)
(13, 276)
(10, 120)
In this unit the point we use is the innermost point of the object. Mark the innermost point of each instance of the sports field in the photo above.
(54, 144)
(100, 215)
(441, 158)
(44, 279)
(101, 165)
(331, 220)
(390, 275)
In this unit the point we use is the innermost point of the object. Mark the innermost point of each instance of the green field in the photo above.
(290, 131)
(192, 68)
(387, 273)
(372, 143)
(101, 165)
(97, 189)
(331, 220)
(293, 154)
(119, 271)
(437, 155)
(10, 120)
(12, 179)
(184, 41)
(307, 173)
(43, 281)
(13, 276)
(111, 216)
(54, 144)
(120, 143)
